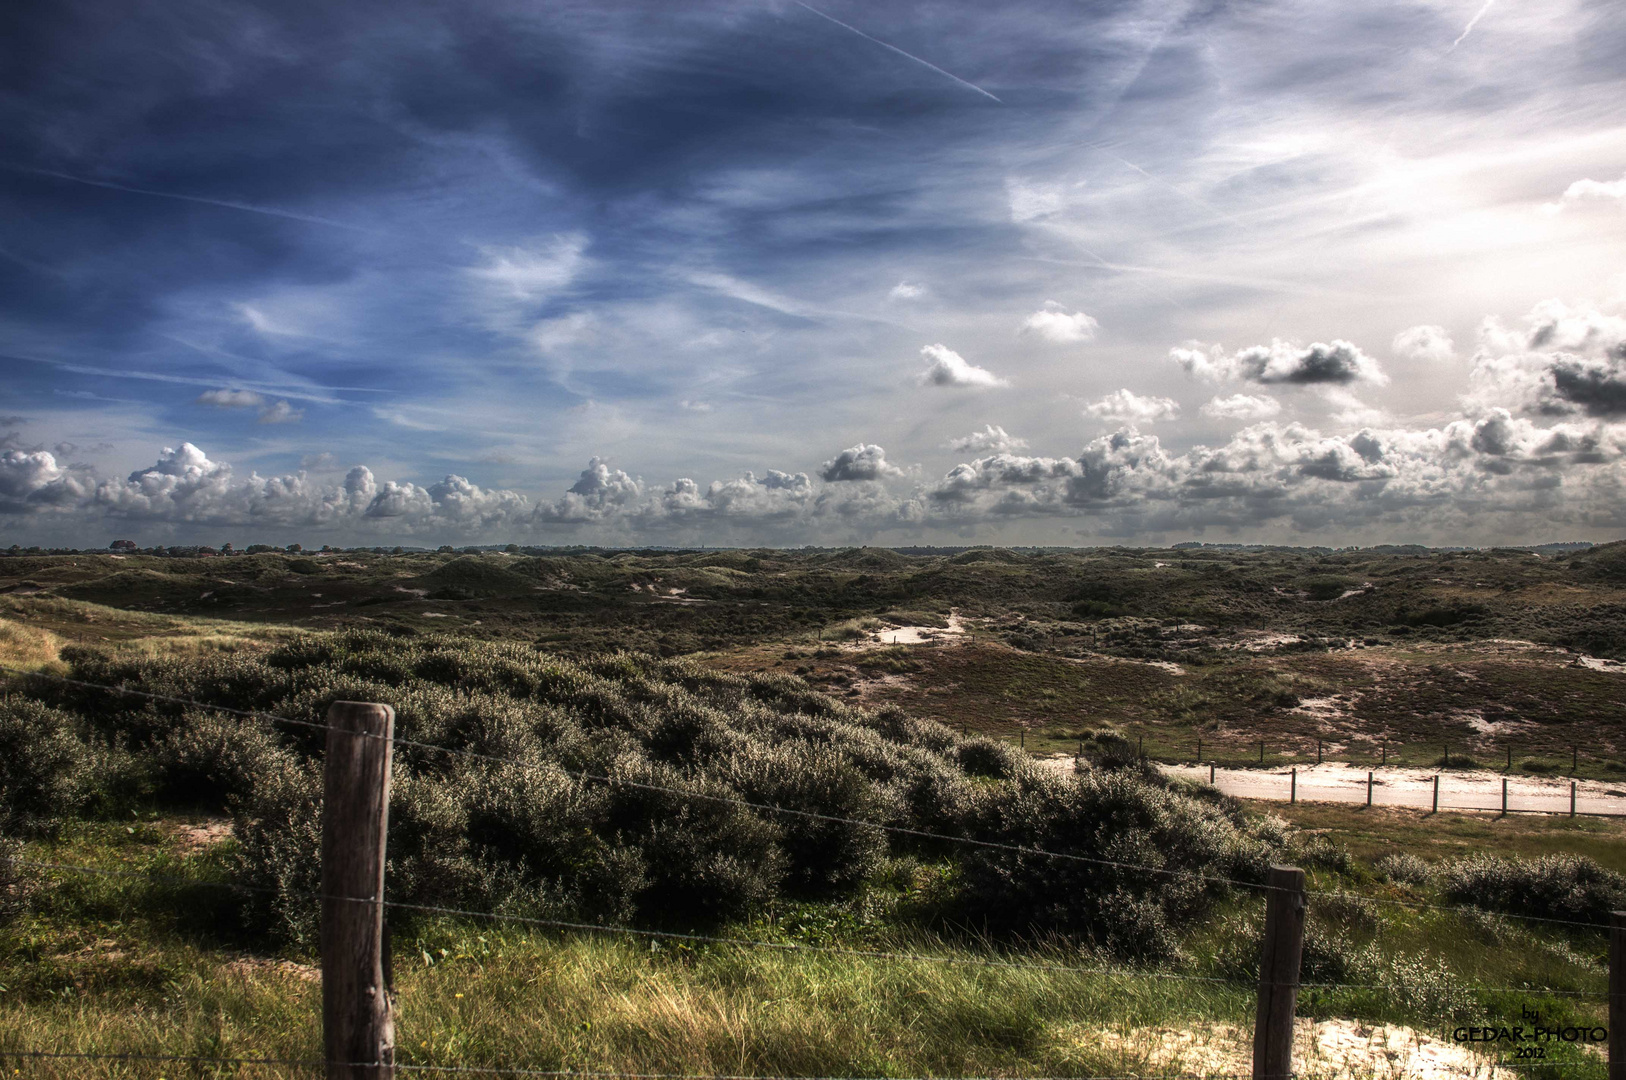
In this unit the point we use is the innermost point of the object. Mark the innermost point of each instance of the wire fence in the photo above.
(991, 961)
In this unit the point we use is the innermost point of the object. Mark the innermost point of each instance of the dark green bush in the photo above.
(44, 766)
(1115, 824)
(622, 788)
(1552, 886)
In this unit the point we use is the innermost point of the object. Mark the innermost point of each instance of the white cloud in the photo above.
(990, 438)
(691, 405)
(907, 290)
(599, 492)
(1568, 360)
(1588, 189)
(1242, 407)
(1282, 363)
(1347, 410)
(529, 272)
(1126, 407)
(1424, 343)
(1053, 323)
(1031, 201)
(949, 368)
(866, 461)
(231, 399)
(280, 412)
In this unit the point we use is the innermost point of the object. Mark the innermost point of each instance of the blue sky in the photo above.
(778, 273)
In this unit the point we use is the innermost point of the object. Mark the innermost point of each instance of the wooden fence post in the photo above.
(1504, 796)
(1572, 798)
(1436, 807)
(1279, 974)
(1293, 788)
(358, 1033)
(1617, 995)
(1369, 787)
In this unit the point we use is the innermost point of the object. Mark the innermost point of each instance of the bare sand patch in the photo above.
(192, 839)
(1322, 1050)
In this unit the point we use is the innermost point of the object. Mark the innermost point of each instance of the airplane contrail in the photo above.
(900, 52)
(1466, 30)
(250, 207)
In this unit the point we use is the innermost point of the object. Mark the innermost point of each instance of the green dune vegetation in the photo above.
(809, 851)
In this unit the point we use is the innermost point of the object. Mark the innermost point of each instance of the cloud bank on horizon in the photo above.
(1027, 274)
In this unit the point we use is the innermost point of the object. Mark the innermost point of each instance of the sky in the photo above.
(779, 273)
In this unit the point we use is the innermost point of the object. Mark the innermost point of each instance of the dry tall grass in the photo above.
(24, 646)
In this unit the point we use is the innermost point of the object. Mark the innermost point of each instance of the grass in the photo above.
(1370, 833)
(107, 964)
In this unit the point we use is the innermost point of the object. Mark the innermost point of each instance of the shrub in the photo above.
(213, 759)
(1115, 824)
(43, 765)
(625, 788)
(1552, 886)
(1403, 868)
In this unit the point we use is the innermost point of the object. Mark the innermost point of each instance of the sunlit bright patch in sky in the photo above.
(749, 272)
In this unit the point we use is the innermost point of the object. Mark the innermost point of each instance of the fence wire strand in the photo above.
(784, 946)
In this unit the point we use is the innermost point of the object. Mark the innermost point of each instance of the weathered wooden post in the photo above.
(1436, 807)
(358, 1033)
(1572, 798)
(1617, 995)
(1504, 796)
(1261, 751)
(1293, 787)
(1210, 772)
(1279, 974)
(1318, 751)
(1369, 787)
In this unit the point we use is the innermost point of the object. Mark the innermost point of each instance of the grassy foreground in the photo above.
(107, 964)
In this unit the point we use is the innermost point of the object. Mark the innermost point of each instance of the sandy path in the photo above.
(1396, 786)
(920, 635)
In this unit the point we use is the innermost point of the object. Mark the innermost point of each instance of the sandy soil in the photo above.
(1324, 1050)
(920, 635)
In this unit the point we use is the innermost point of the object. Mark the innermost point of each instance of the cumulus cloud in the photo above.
(990, 438)
(231, 399)
(1567, 360)
(866, 461)
(1053, 323)
(34, 480)
(1282, 363)
(949, 368)
(1242, 407)
(599, 492)
(1127, 407)
(907, 290)
(1581, 190)
(1424, 343)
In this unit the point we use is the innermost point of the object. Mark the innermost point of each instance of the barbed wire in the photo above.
(785, 946)
(766, 807)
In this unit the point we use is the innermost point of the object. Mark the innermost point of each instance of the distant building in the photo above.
(122, 545)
